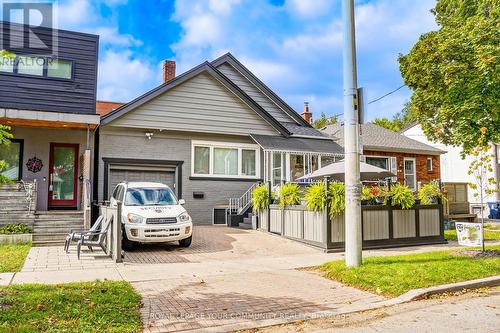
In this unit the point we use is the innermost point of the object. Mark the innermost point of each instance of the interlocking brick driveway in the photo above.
(247, 294)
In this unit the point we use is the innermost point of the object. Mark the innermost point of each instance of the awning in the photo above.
(306, 145)
(337, 172)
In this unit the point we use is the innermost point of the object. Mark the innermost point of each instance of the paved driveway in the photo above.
(228, 279)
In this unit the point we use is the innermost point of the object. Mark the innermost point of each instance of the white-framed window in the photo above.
(429, 164)
(379, 161)
(225, 160)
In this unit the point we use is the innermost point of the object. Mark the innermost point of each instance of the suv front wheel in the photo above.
(186, 241)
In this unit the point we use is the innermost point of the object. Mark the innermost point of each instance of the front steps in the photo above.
(50, 228)
(14, 206)
(247, 222)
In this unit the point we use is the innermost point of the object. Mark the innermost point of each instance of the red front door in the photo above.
(63, 176)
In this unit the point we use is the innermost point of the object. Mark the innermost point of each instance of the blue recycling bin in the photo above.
(494, 210)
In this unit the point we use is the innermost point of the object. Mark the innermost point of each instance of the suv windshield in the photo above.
(158, 196)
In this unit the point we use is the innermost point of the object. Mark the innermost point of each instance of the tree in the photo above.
(454, 73)
(480, 168)
(399, 121)
(323, 121)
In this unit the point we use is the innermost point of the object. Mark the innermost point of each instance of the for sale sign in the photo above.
(469, 234)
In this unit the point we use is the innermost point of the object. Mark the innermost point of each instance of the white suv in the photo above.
(151, 214)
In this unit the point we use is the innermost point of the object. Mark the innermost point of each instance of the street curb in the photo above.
(412, 295)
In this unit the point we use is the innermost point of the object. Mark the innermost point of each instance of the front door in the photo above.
(63, 175)
(410, 173)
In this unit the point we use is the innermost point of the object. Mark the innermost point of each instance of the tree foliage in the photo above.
(399, 121)
(323, 121)
(454, 73)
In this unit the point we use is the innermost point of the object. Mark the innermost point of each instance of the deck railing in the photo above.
(238, 205)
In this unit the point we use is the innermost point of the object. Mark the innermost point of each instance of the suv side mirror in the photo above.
(182, 201)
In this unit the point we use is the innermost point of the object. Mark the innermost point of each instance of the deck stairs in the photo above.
(240, 209)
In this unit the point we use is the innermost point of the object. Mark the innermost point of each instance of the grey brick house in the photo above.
(211, 133)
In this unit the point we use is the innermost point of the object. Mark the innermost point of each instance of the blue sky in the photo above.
(295, 46)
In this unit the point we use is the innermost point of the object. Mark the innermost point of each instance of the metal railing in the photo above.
(238, 205)
(30, 190)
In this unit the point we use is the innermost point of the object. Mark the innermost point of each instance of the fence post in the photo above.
(269, 208)
(117, 233)
(328, 224)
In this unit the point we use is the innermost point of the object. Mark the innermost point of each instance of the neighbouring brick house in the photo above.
(414, 162)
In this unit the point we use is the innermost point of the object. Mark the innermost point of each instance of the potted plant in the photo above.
(336, 198)
(290, 194)
(315, 197)
(260, 198)
(430, 194)
(401, 196)
(15, 234)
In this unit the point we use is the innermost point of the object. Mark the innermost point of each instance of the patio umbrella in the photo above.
(336, 171)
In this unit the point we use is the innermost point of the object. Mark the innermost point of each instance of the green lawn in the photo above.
(488, 235)
(12, 256)
(74, 307)
(395, 275)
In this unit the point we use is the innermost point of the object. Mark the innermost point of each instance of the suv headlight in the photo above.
(133, 218)
(184, 217)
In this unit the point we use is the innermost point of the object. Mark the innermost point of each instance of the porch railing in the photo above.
(238, 205)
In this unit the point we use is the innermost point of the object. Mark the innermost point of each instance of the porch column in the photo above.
(86, 188)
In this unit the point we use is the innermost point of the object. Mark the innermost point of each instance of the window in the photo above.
(6, 65)
(248, 162)
(202, 160)
(277, 168)
(226, 161)
(30, 65)
(215, 159)
(381, 162)
(429, 164)
(59, 68)
(12, 154)
(149, 197)
(296, 167)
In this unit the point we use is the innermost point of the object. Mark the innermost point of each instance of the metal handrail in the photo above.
(28, 188)
(237, 205)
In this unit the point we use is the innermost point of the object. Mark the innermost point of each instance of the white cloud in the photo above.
(200, 30)
(111, 36)
(123, 76)
(222, 6)
(309, 8)
(74, 13)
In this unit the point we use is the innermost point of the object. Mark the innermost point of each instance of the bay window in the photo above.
(214, 159)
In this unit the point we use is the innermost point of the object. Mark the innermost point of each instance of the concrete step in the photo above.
(56, 228)
(59, 222)
(14, 206)
(247, 220)
(53, 236)
(245, 226)
(58, 212)
(48, 243)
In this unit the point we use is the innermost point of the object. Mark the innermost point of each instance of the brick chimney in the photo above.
(168, 70)
(306, 114)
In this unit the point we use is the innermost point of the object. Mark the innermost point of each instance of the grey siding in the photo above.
(37, 143)
(252, 91)
(201, 104)
(168, 146)
(48, 94)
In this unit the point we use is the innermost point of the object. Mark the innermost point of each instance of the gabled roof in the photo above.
(374, 137)
(230, 59)
(205, 67)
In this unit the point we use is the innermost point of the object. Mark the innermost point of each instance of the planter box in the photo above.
(16, 238)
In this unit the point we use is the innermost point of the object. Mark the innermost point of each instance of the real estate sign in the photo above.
(469, 234)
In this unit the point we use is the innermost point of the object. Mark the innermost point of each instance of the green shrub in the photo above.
(429, 193)
(402, 196)
(315, 197)
(3, 179)
(11, 229)
(336, 198)
(290, 194)
(260, 197)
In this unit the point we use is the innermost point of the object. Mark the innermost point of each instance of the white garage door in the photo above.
(139, 175)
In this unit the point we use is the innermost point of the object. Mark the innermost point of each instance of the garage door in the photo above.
(133, 175)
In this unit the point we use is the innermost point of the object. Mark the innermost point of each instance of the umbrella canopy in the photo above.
(337, 172)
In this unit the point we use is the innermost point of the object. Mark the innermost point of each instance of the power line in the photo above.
(392, 92)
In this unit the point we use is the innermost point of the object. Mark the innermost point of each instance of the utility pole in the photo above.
(353, 238)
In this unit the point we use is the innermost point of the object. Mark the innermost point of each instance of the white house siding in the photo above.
(257, 95)
(454, 169)
(201, 104)
(126, 143)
